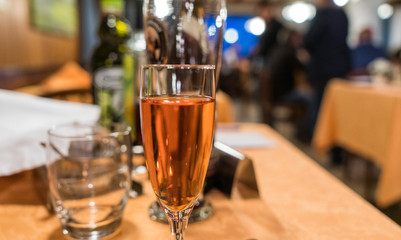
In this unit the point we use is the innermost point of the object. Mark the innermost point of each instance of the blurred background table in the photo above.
(298, 200)
(366, 119)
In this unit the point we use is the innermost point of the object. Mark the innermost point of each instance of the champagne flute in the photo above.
(185, 32)
(177, 119)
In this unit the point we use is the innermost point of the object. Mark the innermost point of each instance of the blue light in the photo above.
(246, 41)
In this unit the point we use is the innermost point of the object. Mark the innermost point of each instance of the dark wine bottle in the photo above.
(111, 62)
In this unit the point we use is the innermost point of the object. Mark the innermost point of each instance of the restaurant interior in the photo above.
(324, 145)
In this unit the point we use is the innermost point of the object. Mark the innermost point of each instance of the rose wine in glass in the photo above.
(177, 116)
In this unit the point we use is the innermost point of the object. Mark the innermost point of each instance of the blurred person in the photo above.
(286, 69)
(230, 59)
(396, 63)
(365, 52)
(396, 57)
(270, 37)
(287, 83)
(326, 43)
(229, 75)
(268, 41)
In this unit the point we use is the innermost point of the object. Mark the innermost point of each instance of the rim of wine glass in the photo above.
(52, 132)
(180, 66)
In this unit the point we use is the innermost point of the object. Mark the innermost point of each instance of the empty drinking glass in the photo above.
(88, 178)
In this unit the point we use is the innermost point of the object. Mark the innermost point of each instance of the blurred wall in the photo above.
(395, 32)
(20, 45)
(363, 14)
(89, 12)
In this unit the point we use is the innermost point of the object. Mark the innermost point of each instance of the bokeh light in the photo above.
(231, 35)
(255, 25)
(385, 11)
(340, 3)
(299, 12)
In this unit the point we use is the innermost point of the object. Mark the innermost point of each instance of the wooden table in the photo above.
(298, 200)
(366, 120)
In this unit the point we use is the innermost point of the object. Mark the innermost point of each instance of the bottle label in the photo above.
(109, 84)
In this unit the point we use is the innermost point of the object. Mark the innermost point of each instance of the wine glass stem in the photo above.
(178, 221)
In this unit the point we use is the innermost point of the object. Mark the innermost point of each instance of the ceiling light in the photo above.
(255, 25)
(299, 12)
(385, 11)
(340, 3)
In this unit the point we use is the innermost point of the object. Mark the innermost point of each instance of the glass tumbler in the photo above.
(88, 176)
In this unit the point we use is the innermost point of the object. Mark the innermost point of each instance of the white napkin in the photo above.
(24, 121)
(244, 139)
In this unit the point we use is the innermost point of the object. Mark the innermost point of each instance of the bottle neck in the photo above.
(115, 13)
(112, 7)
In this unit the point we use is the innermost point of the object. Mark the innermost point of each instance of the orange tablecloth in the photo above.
(365, 119)
(298, 200)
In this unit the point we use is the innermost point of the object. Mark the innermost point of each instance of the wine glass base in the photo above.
(202, 211)
(156, 213)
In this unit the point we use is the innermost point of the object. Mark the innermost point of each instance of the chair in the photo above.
(225, 109)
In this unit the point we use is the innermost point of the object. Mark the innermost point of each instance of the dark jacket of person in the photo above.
(364, 54)
(284, 65)
(326, 42)
(269, 39)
